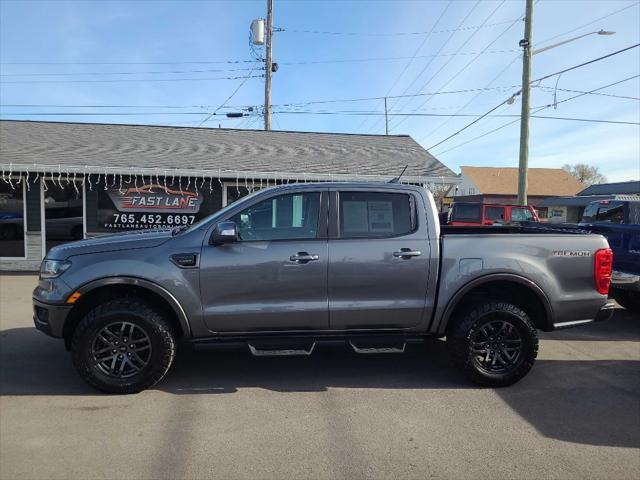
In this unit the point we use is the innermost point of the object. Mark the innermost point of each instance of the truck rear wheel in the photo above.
(123, 346)
(493, 343)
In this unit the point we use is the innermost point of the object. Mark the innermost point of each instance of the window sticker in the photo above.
(380, 217)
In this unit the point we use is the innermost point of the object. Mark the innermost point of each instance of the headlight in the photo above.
(53, 268)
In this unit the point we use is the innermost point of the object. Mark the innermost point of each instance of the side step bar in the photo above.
(275, 352)
(359, 344)
(364, 348)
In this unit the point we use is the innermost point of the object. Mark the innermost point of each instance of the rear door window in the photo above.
(373, 214)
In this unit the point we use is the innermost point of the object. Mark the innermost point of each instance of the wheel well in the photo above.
(103, 294)
(507, 291)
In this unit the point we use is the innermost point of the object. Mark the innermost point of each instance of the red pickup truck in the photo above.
(468, 213)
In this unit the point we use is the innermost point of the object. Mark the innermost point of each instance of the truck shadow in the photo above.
(595, 402)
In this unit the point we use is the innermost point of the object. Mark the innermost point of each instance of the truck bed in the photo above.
(522, 228)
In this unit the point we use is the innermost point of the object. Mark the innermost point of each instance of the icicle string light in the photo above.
(11, 173)
(75, 185)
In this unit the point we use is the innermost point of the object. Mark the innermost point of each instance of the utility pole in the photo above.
(268, 66)
(523, 166)
(386, 119)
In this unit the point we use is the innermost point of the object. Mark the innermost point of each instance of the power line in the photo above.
(446, 42)
(393, 34)
(102, 114)
(459, 72)
(589, 23)
(534, 81)
(465, 115)
(585, 63)
(473, 98)
(290, 104)
(450, 59)
(537, 109)
(194, 62)
(313, 113)
(204, 62)
(568, 90)
(381, 59)
(68, 74)
(230, 96)
(413, 57)
(127, 80)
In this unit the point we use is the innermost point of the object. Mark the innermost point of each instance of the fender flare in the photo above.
(508, 277)
(146, 284)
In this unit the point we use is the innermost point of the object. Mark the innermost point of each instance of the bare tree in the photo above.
(585, 173)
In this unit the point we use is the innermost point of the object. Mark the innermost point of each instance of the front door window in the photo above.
(286, 217)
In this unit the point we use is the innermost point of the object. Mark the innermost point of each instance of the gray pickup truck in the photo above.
(293, 266)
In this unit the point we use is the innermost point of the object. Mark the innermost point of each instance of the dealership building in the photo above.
(67, 181)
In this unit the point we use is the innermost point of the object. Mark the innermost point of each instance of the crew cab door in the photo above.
(275, 276)
(379, 259)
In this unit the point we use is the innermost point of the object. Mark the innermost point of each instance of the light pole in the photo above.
(523, 165)
(599, 32)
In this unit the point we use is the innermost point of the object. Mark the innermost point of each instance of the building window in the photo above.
(12, 219)
(63, 213)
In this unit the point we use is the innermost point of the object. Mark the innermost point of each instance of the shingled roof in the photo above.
(121, 147)
(504, 181)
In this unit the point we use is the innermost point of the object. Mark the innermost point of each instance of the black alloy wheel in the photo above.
(121, 349)
(496, 346)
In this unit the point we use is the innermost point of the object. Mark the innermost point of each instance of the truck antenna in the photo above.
(397, 179)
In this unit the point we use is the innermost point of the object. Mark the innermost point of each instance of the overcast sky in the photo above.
(165, 36)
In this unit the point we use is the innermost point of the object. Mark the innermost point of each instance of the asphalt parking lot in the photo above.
(226, 414)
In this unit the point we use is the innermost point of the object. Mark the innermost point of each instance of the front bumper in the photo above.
(50, 319)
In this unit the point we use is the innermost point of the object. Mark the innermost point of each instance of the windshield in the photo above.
(214, 216)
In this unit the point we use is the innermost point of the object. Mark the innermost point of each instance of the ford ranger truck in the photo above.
(292, 266)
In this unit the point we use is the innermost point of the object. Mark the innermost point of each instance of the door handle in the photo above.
(407, 253)
(303, 257)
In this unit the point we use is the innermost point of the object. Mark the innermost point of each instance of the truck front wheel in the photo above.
(123, 346)
(493, 343)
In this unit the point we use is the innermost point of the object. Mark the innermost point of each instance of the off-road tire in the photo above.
(465, 328)
(143, 316)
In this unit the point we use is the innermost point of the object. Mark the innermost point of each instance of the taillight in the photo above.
(603, 265)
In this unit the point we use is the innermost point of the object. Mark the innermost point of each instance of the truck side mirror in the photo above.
(224, 232)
